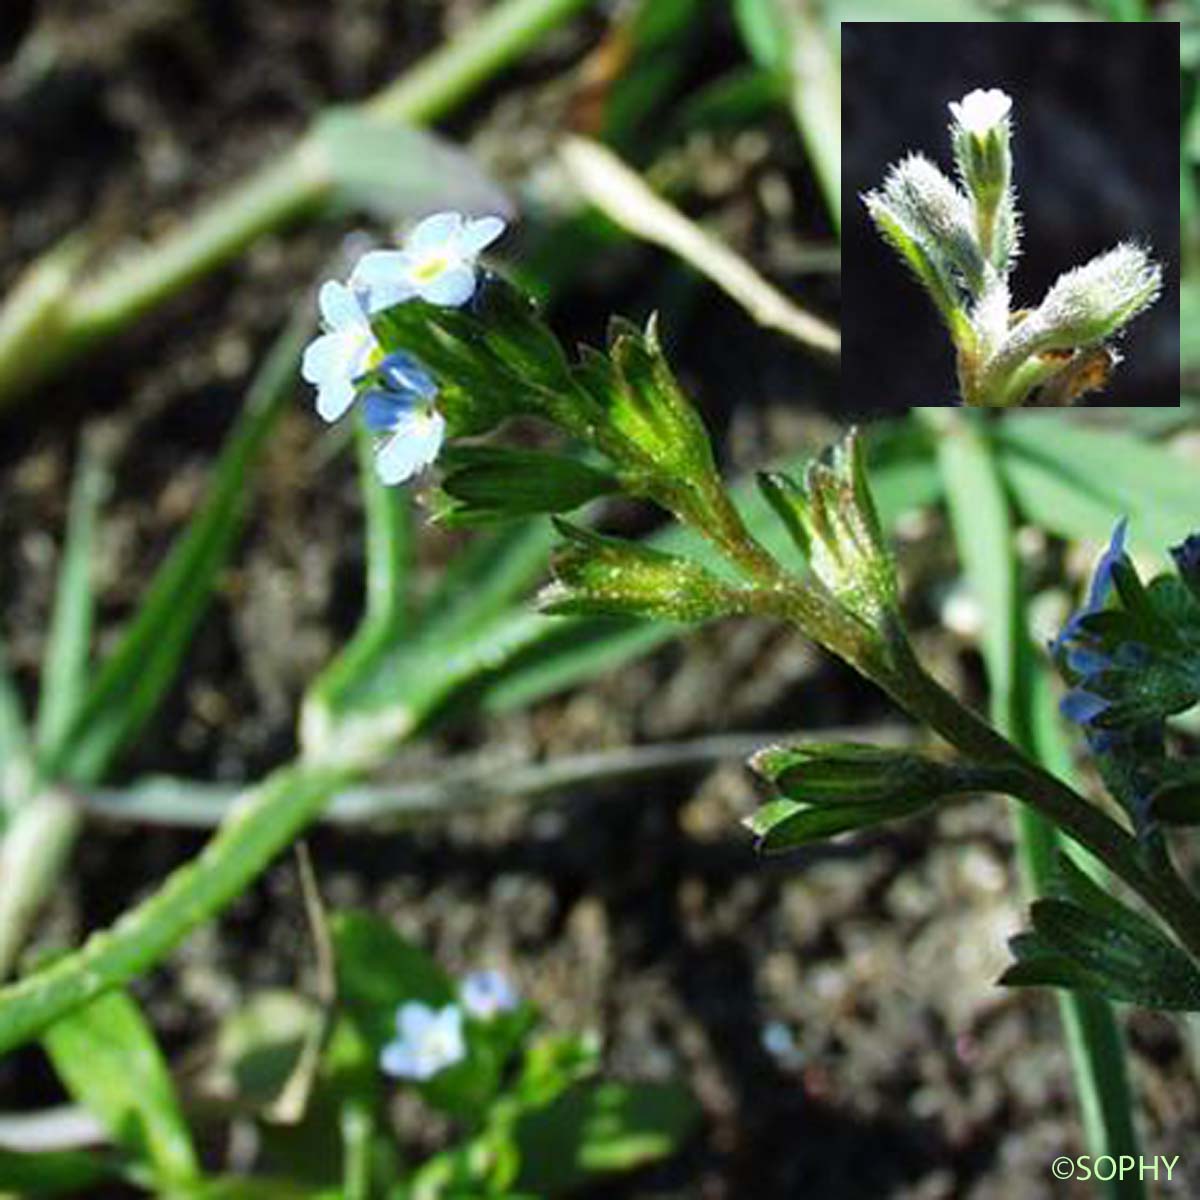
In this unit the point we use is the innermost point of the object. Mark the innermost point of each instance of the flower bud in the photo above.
(981, 131)
(980, 134)
(933, 212)
(1085, 306)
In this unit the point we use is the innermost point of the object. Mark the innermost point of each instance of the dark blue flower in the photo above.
(1187, 559)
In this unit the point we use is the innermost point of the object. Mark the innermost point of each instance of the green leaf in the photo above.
(378, 970)
(65, 670)
(53, 1172)
(785, 825)
(395, 171)
(601, 1129)
(265, 820)
(488, 483)
(131, 682)
(109, 1060)
(1071, 480)
(260, 1044)
(1095, 943)
(607, 576)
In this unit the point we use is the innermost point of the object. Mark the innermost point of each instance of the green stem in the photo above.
(923, 697)
(53, 317)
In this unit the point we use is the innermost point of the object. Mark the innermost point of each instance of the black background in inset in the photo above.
(1096, 160)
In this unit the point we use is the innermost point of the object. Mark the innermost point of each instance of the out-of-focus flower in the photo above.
(485, 994)
(430, 1041)
(334, 360)
(437, 262)
(398, 405)
(1083, 659)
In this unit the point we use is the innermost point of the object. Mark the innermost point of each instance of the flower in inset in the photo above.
(398, 404)
(485, 994)
(982, 110)
(430, 1041)
(436, 263)
(335, 359)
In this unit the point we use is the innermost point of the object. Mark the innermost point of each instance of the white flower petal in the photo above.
(397, 1058)
(435, 232)
(414, 1020)
(409, 450)
(980, 110)
(382, 276)
(334, 398)
(454, 286)
(320, 355)
(478, 235)
(339, 307)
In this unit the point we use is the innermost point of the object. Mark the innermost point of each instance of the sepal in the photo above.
(834, 523)
(493, 483)
(598, 575)
(831, 788)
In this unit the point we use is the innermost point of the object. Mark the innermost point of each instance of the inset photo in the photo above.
(1010, 215)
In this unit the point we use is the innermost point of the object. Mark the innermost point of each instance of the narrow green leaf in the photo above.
(132, 680)
(14, 746)
(261, 825)
(65, 669)
(108, 1058)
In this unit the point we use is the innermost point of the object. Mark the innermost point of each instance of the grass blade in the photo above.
(65, 671)
(15, 772)
(1022, 707)
(135, 676)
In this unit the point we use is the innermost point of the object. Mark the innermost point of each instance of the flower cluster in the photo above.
(345, 363)
(961, 243)
(429, 1040)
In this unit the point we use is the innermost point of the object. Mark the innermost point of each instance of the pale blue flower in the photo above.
(398, 405)
(335, 359)
(486, 994)
(430, 1040)
(436, 263)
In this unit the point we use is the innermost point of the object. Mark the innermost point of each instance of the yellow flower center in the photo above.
(431, 268)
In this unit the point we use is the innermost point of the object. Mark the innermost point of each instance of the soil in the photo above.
(834, 1013)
